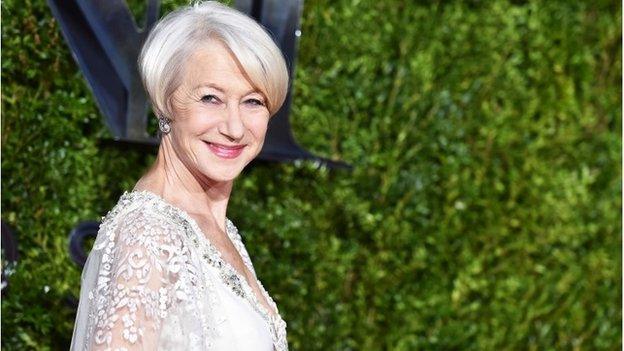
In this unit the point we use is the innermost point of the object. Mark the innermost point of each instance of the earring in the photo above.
(164, 124)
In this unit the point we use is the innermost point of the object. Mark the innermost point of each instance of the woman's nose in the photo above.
(233, 126)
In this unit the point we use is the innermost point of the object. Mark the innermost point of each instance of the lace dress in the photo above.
(153, 281)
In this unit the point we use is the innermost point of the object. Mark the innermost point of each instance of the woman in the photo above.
(168, 270)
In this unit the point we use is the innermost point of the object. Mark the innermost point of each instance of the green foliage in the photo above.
(483, 212)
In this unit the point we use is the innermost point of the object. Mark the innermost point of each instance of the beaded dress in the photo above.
(153, 281)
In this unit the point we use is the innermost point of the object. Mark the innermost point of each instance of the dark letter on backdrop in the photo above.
(105, 41)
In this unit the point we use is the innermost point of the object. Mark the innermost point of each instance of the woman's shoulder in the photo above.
(140, 215)
(138, 204)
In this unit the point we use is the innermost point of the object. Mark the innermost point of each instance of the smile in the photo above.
(225, 151)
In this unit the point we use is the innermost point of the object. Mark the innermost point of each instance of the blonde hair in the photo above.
(175, 37)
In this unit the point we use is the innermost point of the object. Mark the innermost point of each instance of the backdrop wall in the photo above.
(483, 211)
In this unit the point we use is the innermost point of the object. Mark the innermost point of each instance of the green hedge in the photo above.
(483, 211)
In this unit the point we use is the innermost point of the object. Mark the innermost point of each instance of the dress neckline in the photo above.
(274, 318)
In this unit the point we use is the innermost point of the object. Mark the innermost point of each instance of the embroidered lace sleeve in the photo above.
(137, 282)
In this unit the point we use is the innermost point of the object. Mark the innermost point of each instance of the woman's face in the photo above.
(219, 120)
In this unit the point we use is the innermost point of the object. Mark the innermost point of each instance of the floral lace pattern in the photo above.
(150, 287)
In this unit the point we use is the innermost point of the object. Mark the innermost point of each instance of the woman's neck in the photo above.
(191, 191)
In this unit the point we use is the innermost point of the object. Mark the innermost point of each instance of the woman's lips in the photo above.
(225, 151)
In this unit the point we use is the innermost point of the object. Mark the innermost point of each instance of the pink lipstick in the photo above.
(225, 151)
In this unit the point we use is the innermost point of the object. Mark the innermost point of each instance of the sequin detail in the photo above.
(238, 284)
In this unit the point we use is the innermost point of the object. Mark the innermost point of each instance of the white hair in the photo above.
(175, 37)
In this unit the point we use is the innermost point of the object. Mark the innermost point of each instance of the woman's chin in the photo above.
(222, 174)
(223, 169)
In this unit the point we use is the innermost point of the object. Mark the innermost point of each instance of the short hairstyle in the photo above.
(175, 37)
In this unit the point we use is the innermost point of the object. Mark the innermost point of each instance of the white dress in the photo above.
(153, 281)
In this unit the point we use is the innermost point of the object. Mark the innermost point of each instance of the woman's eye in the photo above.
(207, 98)
(256, 102)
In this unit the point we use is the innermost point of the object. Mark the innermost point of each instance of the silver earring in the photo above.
(164, 124)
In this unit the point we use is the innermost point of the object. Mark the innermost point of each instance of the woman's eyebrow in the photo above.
(209, 85)
(216, 87)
